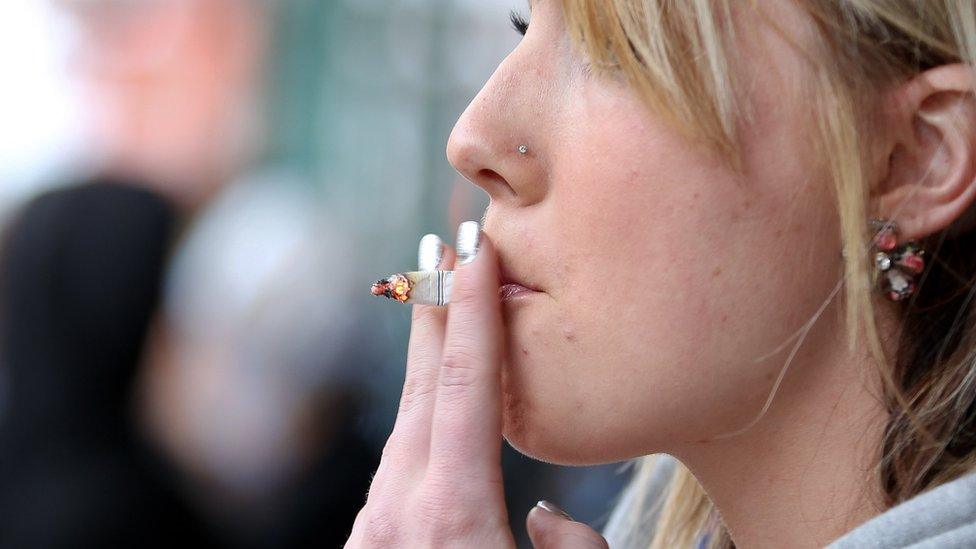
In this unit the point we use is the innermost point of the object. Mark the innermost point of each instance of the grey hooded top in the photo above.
(944, 518)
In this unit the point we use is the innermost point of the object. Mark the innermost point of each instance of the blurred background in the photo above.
(195, 196)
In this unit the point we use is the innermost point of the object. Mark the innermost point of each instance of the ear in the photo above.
(930, 182)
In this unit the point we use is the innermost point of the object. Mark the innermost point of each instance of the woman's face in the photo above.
(663, 275)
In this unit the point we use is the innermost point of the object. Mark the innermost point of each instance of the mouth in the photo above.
(513, 288)
(511, 292)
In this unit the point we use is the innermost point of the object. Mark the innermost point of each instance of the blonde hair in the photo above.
(930, 384)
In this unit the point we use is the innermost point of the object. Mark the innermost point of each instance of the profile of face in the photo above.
(668, 281)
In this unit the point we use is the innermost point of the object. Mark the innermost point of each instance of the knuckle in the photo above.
(415, 392)
(381, 530)
(425, 318)
(393, 448)
(459, 368)
(396, 460)
(441, 517)
(390, 473)
(464, 294)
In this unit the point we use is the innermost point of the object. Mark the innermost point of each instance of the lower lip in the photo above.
(515, 292)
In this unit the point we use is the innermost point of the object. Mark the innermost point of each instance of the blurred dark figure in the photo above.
(250, 380)
(80, 275)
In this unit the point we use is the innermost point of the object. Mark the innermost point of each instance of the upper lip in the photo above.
(511, 267)
(507, 276)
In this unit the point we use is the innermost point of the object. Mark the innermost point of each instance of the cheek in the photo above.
(663, 300)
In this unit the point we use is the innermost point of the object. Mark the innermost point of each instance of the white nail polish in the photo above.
(554, 509)
(431, 253)
(468, 240)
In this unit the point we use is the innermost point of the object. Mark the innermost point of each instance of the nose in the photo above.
(493, 143)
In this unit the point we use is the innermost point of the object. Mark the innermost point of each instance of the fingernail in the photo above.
(431, 253)
(554, 509)
(468, 240)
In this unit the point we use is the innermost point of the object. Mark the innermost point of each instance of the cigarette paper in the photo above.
(417, 288)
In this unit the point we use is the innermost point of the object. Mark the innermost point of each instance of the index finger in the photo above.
(467, 423)
(423, 357)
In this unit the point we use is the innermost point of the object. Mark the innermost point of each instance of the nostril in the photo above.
(489, 174)
(492, 181)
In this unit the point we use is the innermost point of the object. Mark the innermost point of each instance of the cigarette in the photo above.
(417, 288)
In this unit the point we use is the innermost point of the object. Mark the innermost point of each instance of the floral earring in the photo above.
(897, 265)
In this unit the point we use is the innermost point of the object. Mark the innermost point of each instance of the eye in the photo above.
(519, 23)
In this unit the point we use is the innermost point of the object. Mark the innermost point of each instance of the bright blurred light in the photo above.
(41, 116)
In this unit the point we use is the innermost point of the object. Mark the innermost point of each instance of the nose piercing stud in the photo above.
(523, 149)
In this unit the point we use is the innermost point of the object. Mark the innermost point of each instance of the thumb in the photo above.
(551, 528)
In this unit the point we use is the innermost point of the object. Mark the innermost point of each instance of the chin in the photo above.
(542, 448)
(550, 433)
(558, 447)
(549, 412)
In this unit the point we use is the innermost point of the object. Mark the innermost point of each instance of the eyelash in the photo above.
(521, 26)
(519, 22)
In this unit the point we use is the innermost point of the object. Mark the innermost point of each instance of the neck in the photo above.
(805, 473)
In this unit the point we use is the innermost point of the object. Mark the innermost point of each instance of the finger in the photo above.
(430, 255)
(551, 528)
(423, 356)
(466, 430)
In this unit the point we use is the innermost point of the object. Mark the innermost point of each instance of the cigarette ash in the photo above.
(396, 287)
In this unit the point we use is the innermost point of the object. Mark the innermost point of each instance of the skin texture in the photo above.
(647, 223)
(670, 287)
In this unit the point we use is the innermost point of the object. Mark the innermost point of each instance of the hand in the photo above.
(439, 482)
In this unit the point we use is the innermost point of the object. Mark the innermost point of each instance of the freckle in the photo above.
(797, 227)
(747, 204)
(779, 232)
(569, 334)
(717, 271)
(696, 195)
(725, 318)
(769, 377)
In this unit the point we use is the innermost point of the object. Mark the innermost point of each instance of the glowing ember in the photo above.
(396, 287)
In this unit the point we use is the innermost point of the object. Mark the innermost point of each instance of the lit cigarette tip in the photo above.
(395, 287)
(416, 288)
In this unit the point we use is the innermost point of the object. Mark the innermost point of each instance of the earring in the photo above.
(897, 265)
(523, 149)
